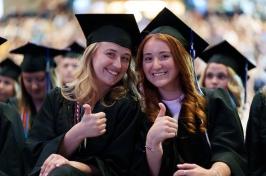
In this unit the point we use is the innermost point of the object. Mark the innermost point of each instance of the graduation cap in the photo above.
(74, 50)
(167, 22)
(9, 69)
(226, 54)
(37, 57)
(2, 40)
(121, 29)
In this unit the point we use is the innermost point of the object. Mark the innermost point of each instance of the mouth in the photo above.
(111, 72)
(159, 74)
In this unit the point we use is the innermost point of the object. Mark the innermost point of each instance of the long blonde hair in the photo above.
(84, 90)
(193, 105)
(234, 86)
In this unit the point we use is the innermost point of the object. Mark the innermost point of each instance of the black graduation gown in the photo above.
(256, 136)
(12, 142)
(225, 136)
(111, 153)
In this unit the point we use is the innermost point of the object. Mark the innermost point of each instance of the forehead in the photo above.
(216, 67)
(33, 74)
(113, 46)
(155, 44)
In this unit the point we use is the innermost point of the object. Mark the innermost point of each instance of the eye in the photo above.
(165, 56)
(209, 76)
(125, 59)
(147, 59)
(110, 55)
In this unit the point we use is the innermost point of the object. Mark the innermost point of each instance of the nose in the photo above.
(156, 63)
(1, 84)
(117, 63)
(34, 85)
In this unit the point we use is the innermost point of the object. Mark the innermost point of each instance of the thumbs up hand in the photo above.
(93, 124)
(162, 110)
(163, 128)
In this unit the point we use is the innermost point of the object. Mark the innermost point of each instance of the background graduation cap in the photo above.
(167, 22)
(74, 50)
(38, 58)
(9, 69)
(224, 53)
(121, 29)
(2, 40)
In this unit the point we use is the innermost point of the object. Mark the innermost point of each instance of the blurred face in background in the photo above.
(66, 69)
(7, 88)
(35, 84)
(216, 76)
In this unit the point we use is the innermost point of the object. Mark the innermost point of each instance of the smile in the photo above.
(112, 72)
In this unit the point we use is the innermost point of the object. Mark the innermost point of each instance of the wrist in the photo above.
(215, 172)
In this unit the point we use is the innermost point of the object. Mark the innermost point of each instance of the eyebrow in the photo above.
(113, 50)
(161, 52)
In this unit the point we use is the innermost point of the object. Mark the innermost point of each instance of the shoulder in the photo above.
(218, 94)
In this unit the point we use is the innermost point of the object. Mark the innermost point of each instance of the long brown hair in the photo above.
(193, 104)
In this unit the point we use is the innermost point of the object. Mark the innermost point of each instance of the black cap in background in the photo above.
(74, 50)
(121, 29)
(167, 22)
(2, 40)
(37, 57)
(9, 69)
(224, 53)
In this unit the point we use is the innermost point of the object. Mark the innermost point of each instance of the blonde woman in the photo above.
(89, 126)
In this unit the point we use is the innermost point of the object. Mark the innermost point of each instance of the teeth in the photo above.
(113, 72)
(159, 74)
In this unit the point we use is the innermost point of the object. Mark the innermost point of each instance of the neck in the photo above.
(170, 94)
(38, 104)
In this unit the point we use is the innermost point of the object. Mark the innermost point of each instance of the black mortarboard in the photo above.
(121, 29)
(36, 57)
(2, 40)
(74, 50)
(9, 69)
(167, 22)
(226, 54)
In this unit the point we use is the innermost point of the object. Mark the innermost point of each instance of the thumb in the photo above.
(87, 109)
(162, 110)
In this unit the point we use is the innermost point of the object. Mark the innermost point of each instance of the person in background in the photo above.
(89, 127)
(37, 79)
(12, 160)
(193, 131)
(227, 68)
(68, 63)
(9, 74)
(256, 135)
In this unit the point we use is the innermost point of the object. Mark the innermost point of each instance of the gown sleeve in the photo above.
(256, 136)
(12, 143)
(225, 132)
(43, 137)
(124, 125)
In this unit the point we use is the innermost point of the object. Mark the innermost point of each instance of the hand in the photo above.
(187, 169)
(93, 124)
(163, 128)
(53, 161)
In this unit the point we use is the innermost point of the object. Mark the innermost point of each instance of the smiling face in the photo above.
(110, 63)
(159, 66)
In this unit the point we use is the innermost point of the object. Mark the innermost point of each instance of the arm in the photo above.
(163, 128)
(91, 125)
(225, 132)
